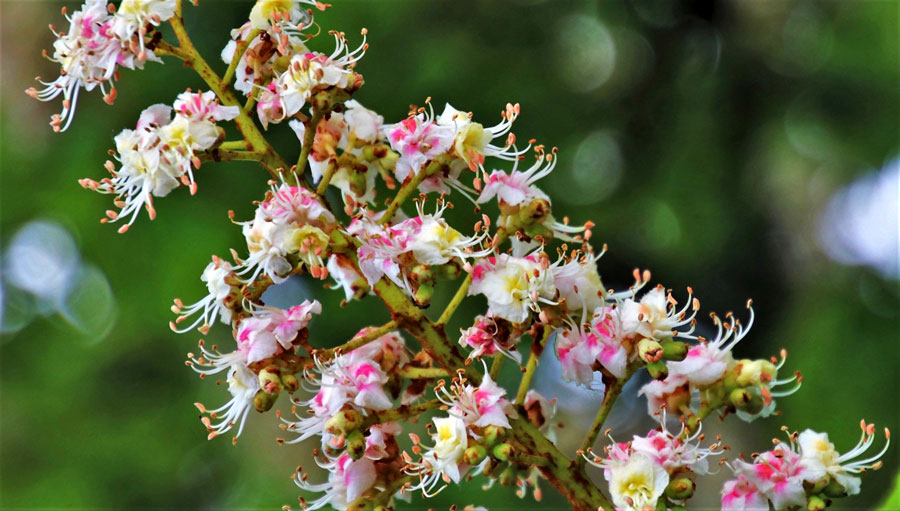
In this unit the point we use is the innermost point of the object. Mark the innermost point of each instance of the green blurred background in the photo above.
(748, 149)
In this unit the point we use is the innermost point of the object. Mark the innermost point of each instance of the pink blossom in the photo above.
(418, 139)
(740, 495)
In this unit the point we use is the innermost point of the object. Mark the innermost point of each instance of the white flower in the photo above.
(655, 315)
(89, 54)
(636, 484)
(451, 441)
(348, 479)
(133, 16)
(472, 142)
(362, 123)
(513, 286)
(707, 362)
(819, 458)
(214, 305)
(243, 385)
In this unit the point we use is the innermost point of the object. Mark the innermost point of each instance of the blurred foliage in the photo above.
(704, 139)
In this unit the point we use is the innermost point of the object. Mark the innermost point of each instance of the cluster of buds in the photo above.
(352, 400)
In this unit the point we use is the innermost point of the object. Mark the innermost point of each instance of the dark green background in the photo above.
(706, 154)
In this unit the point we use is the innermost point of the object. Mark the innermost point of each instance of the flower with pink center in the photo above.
(203, 106)
(580, 348)
(487, 337)
(377, 439)
(741, 495)
(348, 479)
(418, 139)
(480, 406)
(269, 330)
(778, 474)
(355, 380)
(89, 54)
(676, 451)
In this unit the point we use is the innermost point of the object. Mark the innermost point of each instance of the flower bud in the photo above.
(834, 489)
(290, 383)
(746, 401)
(474, 455)
(508, 477)
(492, 434)
(270, 380)
(423, 294)
(502, 451)
(263, 401)
(755, 372)
(356, 444)
(344, 422)
(816, 503)
(675, 351)
(658, 370)
(680, 488)
(649, 350)
(815, 487)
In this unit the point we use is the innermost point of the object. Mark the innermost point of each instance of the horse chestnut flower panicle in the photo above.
(354, 398)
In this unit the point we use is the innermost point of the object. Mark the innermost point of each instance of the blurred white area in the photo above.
(587, 52)
(43, 274)
(861, 223)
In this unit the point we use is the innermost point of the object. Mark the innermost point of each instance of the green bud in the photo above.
(674, 350)
(746, 401)
(502, 451)
(474, 455)
(508, 477)
(270, 380)
(753, 373)
(344, 422)
(492, 435)
(649, 350)
(816, 503)
(834, 489)
(290, 383)
(263, 402)
(815, 487)
(356, 444)
(680, 488)
(658, 370)
(423, 294)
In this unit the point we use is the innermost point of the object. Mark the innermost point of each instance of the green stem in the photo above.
(455, 301)
(357, 342)
(497, 365)
(531, 366)
(234, 144)
(255, 139)
(402, 412)
(417, 373)
(220, 154)
(407, 189)
(613, 389)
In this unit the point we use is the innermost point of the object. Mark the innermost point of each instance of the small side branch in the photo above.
(455, 301)
(531, 366)
(613, 390)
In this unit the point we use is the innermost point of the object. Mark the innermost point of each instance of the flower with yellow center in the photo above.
(637, 483)
(450, 445)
